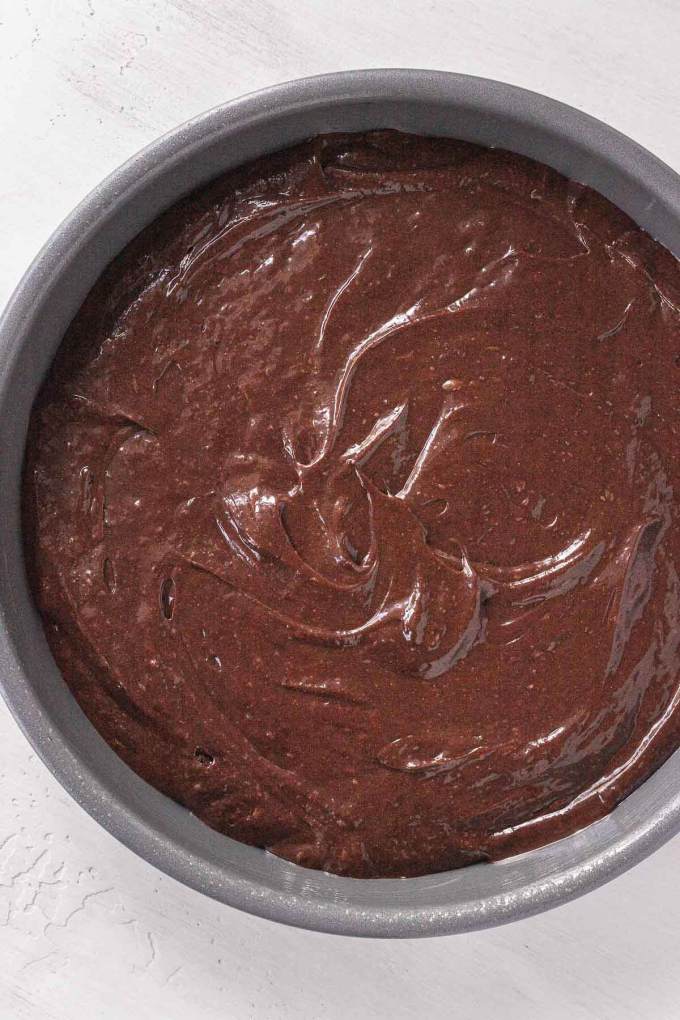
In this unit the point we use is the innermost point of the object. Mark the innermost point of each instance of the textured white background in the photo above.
(88, 930)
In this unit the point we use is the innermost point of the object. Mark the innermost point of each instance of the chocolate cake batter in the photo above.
(351, 504)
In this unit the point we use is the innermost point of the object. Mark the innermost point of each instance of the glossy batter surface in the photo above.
(351, 504)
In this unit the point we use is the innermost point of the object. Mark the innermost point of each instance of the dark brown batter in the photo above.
(351, 504)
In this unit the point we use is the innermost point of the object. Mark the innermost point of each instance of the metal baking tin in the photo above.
(158, 829)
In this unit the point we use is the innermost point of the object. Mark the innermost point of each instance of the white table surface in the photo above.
(86, 928)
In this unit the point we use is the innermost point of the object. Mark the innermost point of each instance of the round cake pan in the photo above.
(159, 830)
